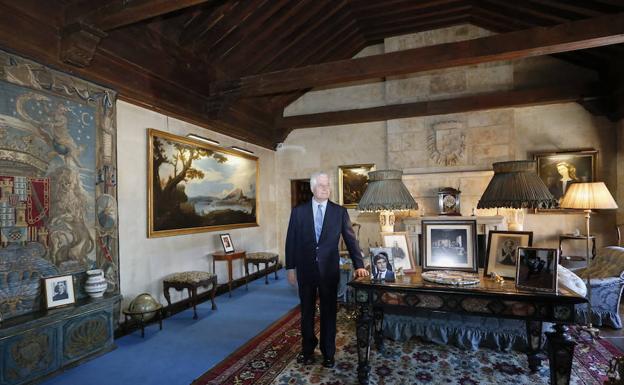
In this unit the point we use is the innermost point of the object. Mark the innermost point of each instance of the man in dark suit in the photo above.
(312, 240)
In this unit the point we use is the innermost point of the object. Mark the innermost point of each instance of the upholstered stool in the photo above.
(262, 257)
(191, 280)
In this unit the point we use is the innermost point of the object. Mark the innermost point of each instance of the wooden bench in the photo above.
(191, 280)
(262, 257)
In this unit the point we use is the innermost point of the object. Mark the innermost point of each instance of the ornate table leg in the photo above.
(364, 330)
(378, 323)
(167, 296)
(534, 343)
(193, 295)
(560, 354)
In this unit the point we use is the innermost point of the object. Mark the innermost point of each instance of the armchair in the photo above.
(607, 282)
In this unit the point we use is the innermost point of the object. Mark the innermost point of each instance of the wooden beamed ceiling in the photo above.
(234, 65)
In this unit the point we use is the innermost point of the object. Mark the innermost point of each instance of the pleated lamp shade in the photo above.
(516, 185)
(588, 196)
(386, 191)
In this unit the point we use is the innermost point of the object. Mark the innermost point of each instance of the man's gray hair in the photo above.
(314, 177)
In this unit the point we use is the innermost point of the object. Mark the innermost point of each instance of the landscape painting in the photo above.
(196, 187)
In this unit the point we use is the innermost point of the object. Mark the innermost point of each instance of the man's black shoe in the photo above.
(328, 362)
(305, 359)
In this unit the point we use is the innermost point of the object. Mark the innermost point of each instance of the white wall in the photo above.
(145, 262)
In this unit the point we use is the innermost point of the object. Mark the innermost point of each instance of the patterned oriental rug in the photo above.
(270, 358)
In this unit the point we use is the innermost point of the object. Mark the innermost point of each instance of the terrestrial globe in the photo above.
(143, 306)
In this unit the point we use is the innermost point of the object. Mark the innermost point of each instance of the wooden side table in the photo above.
(566, 237)
(229, 257)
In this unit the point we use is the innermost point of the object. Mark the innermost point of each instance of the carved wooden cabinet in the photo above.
(35, 345)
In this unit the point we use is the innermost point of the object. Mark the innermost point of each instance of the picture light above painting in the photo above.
(197, 187)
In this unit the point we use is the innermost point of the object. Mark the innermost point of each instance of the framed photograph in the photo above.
(537, 269)
(382, 268)
(401, 254)
(59, 290)
(226, 241)
(352, 181)
(450, 245)
(559, 170)
(502, 247)
(196, 187)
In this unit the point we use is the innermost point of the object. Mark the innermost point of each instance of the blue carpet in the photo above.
(187, 348)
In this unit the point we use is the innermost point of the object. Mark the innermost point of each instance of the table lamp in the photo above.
(515, 185)
(386, 193)
(586, 197)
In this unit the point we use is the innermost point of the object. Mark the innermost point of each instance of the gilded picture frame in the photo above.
(560, 169)
(196, 187)
(352, 182)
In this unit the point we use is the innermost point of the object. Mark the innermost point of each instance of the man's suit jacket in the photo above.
(316, 263)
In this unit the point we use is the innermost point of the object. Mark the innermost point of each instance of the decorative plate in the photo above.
(449, 277)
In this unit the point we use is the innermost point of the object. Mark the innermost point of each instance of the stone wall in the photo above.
(454, 150)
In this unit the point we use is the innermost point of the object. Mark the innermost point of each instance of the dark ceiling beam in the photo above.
(539, 41)
(409, 8)
(577, 8)
(499, 99)
(368, 7)
(111, 14)
(521, 12)
(86, 25)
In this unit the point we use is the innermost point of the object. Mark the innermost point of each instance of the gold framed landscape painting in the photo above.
(196, 187)
(352, 182)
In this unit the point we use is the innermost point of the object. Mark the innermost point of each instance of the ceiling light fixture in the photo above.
(242, 150)
(198, 137)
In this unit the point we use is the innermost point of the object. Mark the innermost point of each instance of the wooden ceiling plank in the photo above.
(498, 99)
(576, 8)
(118, 13)
(367, 6)
(520, 10)
(203, 22)
(313, 52)
(408, 19)
(402, 29)
(228, 23)
(582, 34)
(284, 47)
(411, 8)
(252, 25)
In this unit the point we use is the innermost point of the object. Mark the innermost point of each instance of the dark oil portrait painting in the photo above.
(352, 182)
(560, 170)
(195, 187)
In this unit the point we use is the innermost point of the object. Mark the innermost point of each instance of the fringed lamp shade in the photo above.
(588, 196)
(386, 191)
(516, 185)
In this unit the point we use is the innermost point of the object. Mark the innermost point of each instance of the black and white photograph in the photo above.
(537, 269)
(382, 268)
(502, 250)
(226, 242)
(450, 245)
(59, 291)
(401, 252)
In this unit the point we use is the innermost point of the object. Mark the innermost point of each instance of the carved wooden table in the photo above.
(487, 298)
(229, 257)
